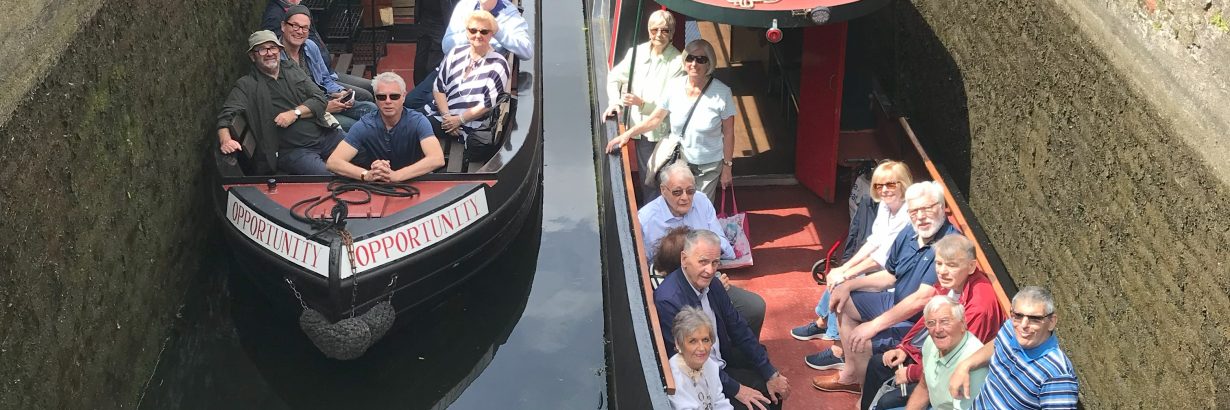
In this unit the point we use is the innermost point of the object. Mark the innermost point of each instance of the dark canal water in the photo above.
(527, 333)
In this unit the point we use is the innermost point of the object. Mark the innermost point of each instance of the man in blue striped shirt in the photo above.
(1028, 371)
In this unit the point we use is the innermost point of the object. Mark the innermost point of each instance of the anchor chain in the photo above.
(354, 273)
(296, 291)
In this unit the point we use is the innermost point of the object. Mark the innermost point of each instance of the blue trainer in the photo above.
(808, 331)
(824, 361)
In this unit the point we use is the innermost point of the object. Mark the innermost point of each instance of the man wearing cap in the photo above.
(275, 14)
(307, 55)
(281, 107)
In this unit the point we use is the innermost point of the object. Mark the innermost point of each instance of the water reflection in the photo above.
(238, 353)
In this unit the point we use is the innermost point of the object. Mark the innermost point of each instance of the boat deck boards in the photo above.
(790, 229)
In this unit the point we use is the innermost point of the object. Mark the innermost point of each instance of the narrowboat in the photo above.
(807, 117)
(407, 244)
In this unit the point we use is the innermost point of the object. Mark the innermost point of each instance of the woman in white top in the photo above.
(697, 385)
(888, 184)
(657, 63)
(706, 140)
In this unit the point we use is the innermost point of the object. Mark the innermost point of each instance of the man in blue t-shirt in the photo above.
(879, 308)
(397, 142)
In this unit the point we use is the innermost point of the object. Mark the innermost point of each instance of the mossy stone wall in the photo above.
(1082, 183)
(103, 208)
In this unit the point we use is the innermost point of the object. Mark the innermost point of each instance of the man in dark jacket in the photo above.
(748, 379)
(282, 107)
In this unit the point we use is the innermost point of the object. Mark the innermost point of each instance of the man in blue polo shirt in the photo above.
(396, 141)
(1028, 370)
(878, 309)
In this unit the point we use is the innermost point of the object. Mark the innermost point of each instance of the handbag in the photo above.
(667, 150)
(735, 229)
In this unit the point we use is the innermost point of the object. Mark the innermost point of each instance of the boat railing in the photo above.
(647, 284)
(988, 260)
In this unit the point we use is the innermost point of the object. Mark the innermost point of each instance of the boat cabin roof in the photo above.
(762, 13)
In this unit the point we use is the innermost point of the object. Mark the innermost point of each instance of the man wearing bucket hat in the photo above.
(283, 108)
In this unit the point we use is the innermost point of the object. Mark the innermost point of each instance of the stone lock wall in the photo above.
(103, 208)
(1087, 176)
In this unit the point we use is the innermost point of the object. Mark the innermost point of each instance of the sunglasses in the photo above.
(476, 31)
(382, 97)
(698, 59)
(878, 187)
(1019, 317)
(678, 192)
(659, 30)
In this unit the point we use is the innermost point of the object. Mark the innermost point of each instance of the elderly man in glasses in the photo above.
(948, 342)
(681, 205)
(398, 143)
(957, 276)
(1027, 368)
(284, 108)
(872, 317)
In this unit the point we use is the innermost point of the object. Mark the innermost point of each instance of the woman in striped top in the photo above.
(471, 77)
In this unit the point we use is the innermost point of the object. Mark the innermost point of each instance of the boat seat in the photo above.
(454, 156)
(247, 159)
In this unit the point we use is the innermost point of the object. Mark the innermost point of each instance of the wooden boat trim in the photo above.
(952, 205)
(659, 342)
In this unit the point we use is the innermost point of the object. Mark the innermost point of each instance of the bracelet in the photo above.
(363, 176)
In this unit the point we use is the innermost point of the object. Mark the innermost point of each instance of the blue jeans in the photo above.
(310, 160)
(830, 318)
(352, 115)
(421, 94)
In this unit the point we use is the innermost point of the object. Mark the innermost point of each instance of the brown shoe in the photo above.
(829, 383)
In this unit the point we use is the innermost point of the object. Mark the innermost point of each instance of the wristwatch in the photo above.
(363, 176)
(728, 163)
(298, 113)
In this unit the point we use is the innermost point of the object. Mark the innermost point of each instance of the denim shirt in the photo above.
(321, 74)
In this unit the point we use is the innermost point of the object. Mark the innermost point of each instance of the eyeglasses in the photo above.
(941, 323)
(677, 192)
(382, 97)
(878, 187)
(268, 50)
(929, 209)
(477, 30)
(297, 27)
(659, 30)
(1030, 319)
(698, 59)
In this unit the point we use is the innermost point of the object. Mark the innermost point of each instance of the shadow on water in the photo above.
(234, 351)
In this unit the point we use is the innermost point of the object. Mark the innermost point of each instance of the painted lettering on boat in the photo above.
(288, 245)
(418, 234)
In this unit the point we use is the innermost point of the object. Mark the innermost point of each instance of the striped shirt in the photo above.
(1038, 378)
(488, 77)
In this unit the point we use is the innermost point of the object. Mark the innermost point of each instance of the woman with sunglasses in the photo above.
(702, 115)
(889, 181)
(471, 78)
(657, 62)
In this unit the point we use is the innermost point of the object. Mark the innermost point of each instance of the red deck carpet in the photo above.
(791, 228)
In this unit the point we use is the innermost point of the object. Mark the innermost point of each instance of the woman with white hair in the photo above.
(702, 121)
(639, 82)
(471, 78)
(697, 384)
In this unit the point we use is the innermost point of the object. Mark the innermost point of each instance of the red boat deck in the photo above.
(791, 228)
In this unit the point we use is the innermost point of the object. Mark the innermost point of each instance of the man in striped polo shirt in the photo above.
(1028, 371)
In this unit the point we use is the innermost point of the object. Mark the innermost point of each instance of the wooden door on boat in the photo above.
(819, 120)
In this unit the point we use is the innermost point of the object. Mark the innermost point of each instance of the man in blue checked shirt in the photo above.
(1027, 368)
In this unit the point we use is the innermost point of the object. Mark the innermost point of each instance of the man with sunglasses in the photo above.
(1027, 368)
(282, 107)
(398, 143)
(680, 205)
